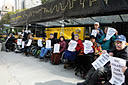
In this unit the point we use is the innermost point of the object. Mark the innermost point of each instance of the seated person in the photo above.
(45, 50)
(107, 44)
(55, 58)
(71, 56)
(120, 51)
(28, 43)
(83, 61)
(125, 71)
(9, 43)
(18, 47)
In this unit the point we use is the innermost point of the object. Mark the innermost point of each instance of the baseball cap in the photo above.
(97, 23)
(51, 34)
(120, 38)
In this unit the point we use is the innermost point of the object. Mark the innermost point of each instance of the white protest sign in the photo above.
(118, 77)
(94, 32)
(23, 44)
(39, 43)
(87, 46)
(72, 46)
(48, 43)
(19, 41)
(29, 42)
(101, 61)
(110, 33)
(56, 48)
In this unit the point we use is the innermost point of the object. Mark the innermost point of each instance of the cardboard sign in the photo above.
(110, 33)
(56, 48)
(48, 44)
(87, 46)
(101, 61)
(94, 32)
(19, 41)
(39, 43)
(118, 77)
(72, 46)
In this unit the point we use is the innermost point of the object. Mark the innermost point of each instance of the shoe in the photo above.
(82, 83)
(7, 50)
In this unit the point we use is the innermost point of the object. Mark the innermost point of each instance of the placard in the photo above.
(48, 43)
(94, 32)
(23, 44)
(110, 33)
(101, 61)
(39, 43)
(87, 46)
(118, 77)
(19, 41)
(56, 48)
(72, 46)
(29, 42)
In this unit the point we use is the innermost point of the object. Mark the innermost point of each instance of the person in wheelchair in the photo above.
(28, 44)
(83, 61)
(10, 43)
(120, 51)
(55, 58)
(71, 56)
(19, 44)
(45, 50)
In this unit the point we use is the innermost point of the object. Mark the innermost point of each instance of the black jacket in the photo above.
(123, 54)
(11, 40)
(53, 41)
(25, 36)
(126, 77)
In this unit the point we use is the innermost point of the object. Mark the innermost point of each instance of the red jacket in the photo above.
(79, 45)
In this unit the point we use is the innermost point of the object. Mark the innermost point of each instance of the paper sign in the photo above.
(94, 32)
(110, 33)
(87, 46)
(19, 41)
(23, 44)
(56, 48)
(72, 46)
(39, 43)
(48, 44)
(101, 61)
(29, 42)
(118, 77)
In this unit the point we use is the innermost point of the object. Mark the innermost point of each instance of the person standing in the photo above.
(24, 35)
(99, 31)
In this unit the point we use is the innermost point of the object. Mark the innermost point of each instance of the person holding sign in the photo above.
(99, 31)
(120, 51)
(28, 44)
(125, 71)
(44, 50)
(55, 58)
(83, 61)
(71, 55)
(107, 44)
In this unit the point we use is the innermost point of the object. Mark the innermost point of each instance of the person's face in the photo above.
(92, 40)
(43, 39)
(105, 31)
(96, 26)
(31, 37)
(51, 36)
(22, 30)
(61, 39)
(76, 38)
(120, 45)
(10, 35)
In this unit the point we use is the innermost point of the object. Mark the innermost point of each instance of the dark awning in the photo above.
(71, 9)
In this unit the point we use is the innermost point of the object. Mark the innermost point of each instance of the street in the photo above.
(17, 69)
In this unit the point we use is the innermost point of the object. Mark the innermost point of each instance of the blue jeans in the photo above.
(44, 51)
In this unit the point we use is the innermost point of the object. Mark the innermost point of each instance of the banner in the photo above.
(87, 46)
(110, 33)
(56, 48)
(48, 43)
(101, 61)
(72, 46)
(39, 43)
(94, 32)
(19, 41)
(118, 77)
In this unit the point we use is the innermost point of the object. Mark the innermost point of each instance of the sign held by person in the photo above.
(29, 42)
(56, 48)
(101, 61)
(94, 32)
(23, 44)
(87, 46)
(19, 41)
(118, 77)
(39, 43)
(110, 33)
(72, 46)
(48, 43)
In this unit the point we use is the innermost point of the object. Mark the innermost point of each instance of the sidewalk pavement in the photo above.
(17, 69)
